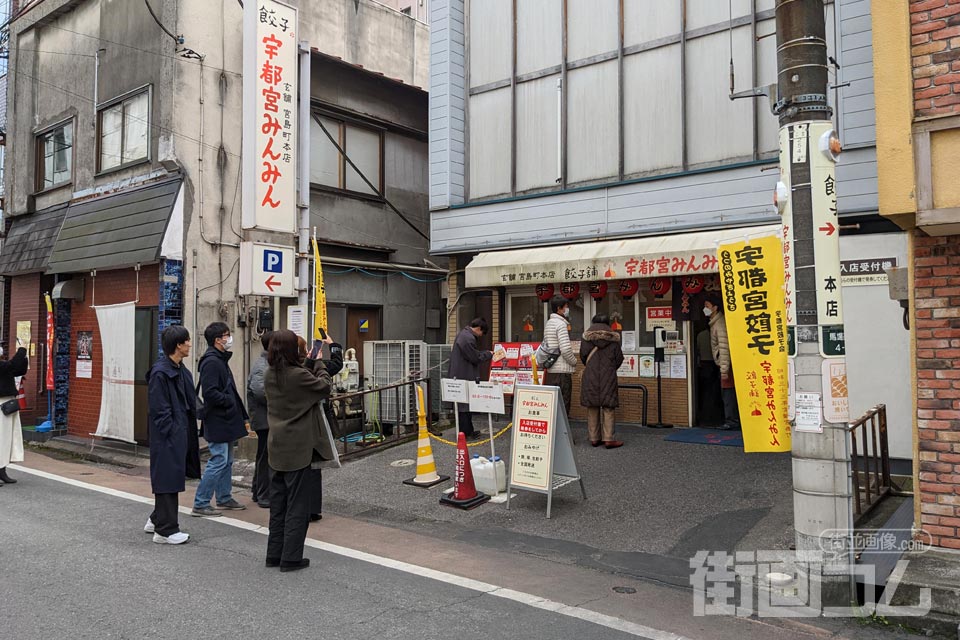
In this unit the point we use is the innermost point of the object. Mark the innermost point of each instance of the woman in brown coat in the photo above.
(297, 440)
(601, 354)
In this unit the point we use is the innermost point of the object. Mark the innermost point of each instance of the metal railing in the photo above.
(870, 469)
(362, 416)
(643, 399)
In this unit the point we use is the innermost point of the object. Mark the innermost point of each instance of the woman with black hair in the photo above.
(11, 436)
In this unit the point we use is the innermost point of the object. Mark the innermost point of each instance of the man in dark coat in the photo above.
(224, 421)
(465, 361)
(257, 406)
(171, 414)
(601, 355)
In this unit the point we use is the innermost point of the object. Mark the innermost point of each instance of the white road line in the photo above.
(587, 615)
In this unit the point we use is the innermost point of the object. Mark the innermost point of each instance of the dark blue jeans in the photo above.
(731, 412)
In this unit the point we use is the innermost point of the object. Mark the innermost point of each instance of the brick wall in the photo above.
(937, 325)
(25, 306)
(935, 39)
(112, 287)
(675, 407)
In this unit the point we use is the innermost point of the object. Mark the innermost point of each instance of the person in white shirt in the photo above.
(557, 336)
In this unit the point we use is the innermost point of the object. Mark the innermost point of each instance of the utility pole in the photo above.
(822, 500)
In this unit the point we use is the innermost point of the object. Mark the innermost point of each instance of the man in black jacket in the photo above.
(465, 360)
(224, 421)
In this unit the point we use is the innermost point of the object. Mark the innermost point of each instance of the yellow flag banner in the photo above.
(319, 295)
(755, 313)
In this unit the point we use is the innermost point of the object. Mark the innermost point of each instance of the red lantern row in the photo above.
(598, 290)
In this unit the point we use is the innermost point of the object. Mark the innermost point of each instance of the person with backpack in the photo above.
(556, 337)
(599, 388)
(224, 421)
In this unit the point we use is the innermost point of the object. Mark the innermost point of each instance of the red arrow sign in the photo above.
(829, 228)
(272, 284)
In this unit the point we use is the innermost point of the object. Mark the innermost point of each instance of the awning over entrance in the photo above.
(116, 231)
(27, 247)
(672, 255)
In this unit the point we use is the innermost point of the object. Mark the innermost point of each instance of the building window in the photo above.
(124, 132)
(364, 146)
(55, 157)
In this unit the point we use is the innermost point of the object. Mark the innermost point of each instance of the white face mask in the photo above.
(566, 312)
(707, 311)
(229, 343)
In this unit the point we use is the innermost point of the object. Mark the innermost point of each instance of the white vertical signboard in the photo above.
(789, 260)
(270, 91)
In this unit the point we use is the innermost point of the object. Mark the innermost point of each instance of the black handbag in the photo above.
(10, 407)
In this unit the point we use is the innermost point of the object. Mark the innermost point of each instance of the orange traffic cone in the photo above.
(465, 494)
(426, 466)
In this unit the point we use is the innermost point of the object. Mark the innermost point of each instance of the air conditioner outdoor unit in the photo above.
(387, 362)
(438, 356)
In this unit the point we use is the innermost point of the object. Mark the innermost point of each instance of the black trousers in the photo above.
(165, 516)
(261, 470)
(316, 491)
(465, 416)
(289, 514)
(565, 382)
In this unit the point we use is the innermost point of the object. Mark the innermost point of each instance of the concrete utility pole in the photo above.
(808, 150)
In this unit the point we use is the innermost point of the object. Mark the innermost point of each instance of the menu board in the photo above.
(511, 364)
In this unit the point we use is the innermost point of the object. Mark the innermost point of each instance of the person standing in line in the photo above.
(465, 360)
(171, 414)
(296, 442)
(225, 421)
(557, 336)
(257, 406)
(11, 435)
(720, 345)
(599, 388)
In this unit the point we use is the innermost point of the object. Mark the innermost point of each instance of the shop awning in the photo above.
(118, 230)
(673, 255)
(28, 244)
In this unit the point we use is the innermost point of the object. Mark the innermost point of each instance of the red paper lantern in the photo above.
(629, 288)
(544, 292)
(692, 284)
(598, 290)
(660, 286)
(570, 290)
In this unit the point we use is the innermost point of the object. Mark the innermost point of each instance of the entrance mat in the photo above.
(707, 436)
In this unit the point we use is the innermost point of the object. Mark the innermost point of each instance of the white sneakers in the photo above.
(174, 538)
(148, 528)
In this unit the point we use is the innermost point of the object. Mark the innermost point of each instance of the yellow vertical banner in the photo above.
(754, 307)
(319, 296)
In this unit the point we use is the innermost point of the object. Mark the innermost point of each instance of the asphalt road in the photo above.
(76, 564)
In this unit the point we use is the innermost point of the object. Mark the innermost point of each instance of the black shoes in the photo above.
(294, 566)
(6, 479)
(273, 562)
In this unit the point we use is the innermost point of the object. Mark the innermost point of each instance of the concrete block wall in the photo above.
(935, 40)
(937, 324)
(112, 287)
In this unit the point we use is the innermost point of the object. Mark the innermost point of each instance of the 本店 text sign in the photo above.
(270, 92)
(756, 319)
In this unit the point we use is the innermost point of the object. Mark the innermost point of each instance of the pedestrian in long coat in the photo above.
(297, 441)
(465, 360)
(601, 355)
(171, 415)
(11, 436)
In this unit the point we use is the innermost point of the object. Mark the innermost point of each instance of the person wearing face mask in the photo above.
(720, 346)
(556, 336)
(224, 421)
(11, 437)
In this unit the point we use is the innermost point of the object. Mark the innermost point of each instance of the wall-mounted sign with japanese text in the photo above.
(868, 271)
(660, 318)
(826, 230)
(751, 272)
(789, 262)
(270, 94)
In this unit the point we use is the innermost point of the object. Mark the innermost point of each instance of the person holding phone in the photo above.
(11, 436)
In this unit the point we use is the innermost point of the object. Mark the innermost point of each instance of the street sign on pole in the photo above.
(266, 270)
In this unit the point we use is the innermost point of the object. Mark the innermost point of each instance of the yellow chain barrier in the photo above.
(476, 442)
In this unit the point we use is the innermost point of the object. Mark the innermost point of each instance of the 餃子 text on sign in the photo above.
(270, 91)
(751, 274)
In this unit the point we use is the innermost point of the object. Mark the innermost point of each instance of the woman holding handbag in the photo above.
(601, 354)
(11, 437)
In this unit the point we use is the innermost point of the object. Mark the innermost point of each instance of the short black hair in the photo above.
(215, 330)
(557, 303)
(172, 337)
(265, 340)
(480, 323)
(715, 300)
(601, 318)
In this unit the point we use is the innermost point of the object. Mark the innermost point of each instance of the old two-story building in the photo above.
(123, 189)
(602, 150)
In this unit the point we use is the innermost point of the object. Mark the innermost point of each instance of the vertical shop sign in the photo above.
(826, 247)
(270, 90)
(755, 315)
(49, 376)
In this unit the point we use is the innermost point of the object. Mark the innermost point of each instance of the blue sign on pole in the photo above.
(272, 261)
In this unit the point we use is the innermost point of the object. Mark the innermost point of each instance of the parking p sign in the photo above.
(266, 270)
